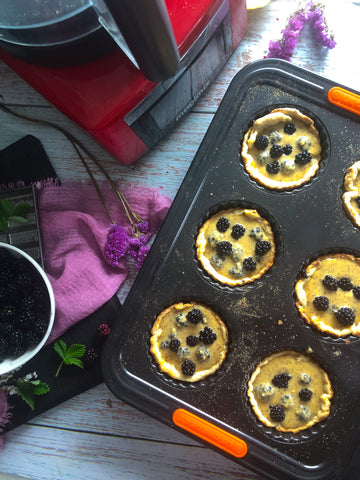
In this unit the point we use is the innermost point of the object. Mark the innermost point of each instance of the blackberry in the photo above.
(345, 284)
(6, 328)
(7, 313)
(16, 350)
(305, 394)
(281, 380)
(6, 274)
(330, 283)
(287, 149)
(289, 128)
(262, 247)
(207, 336)
(237, 231)
(174, 344)
(41, 326)
(261, 142)
(12, 291)
(195, 316)
(3, 347)
(222, 224)
(28, 302)
(188, 368)
(303, 158)
(192, 340)
(25, 280)
(321, 303)
(90, 356)
(276, 151)
(25, 319)
(356, 292)
(273, 168)
(277, 413)
(32, 338)
(345, 316)
(103, 330)
(249, 264)
(224, 248)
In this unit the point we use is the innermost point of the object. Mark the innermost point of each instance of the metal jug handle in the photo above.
(143, 31)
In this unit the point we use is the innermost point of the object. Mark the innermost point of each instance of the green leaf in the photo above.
(22, 209)
(6, 208)
(15, 218)
(3, 224)
(28, 389)
(70, 355)
(60, 348)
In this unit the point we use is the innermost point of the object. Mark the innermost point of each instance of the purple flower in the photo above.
(117, 244)
(313, 13)
(141, 255)
(143, 227)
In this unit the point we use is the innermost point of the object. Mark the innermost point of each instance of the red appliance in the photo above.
(116, 102)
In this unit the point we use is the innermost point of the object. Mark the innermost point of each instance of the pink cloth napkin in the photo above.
(74, 228)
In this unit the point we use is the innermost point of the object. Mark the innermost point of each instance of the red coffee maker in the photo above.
(126, 71)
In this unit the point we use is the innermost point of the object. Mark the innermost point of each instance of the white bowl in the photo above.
(8, 365)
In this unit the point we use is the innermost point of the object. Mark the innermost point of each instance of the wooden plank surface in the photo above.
(95, 435)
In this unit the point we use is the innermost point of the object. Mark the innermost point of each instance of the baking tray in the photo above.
(261, 317)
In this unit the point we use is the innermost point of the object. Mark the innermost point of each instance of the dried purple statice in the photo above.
(317, 20)
(285, 47)
(312, 13)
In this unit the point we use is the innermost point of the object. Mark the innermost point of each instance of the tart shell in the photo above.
(276, 119)
(295, 365)
(339, 266)
(250, 218)
(166, 327)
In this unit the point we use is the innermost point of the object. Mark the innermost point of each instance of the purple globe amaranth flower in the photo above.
(117, 244)
(143, 227)
(141, 255)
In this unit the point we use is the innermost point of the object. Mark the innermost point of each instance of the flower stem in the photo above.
(79, 148)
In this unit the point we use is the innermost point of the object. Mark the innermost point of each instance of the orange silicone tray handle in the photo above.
(344, 99)
(209, 432)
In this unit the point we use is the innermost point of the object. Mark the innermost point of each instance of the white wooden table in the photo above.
(95, 435)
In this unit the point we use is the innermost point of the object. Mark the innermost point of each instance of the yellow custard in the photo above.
(288, 155)
(340, 313)
(351, 195)
(290, 392)
(236, 246)
(189, 341)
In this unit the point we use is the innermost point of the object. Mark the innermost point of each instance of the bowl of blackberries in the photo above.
(27, 308)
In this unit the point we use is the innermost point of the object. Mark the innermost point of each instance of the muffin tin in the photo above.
(261, 317)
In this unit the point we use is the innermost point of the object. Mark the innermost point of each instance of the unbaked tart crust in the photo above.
(236, 246)
(282, 149)
(351, 195)
(329, 295)
(189, 341)
(290, 392)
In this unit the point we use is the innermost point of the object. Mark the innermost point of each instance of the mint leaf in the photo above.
(8, 211)
(21, 210)
(28, 389)
(3, 224)
(6, 208)
(70, 355)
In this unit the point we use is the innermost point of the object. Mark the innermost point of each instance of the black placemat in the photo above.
(71, 380)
